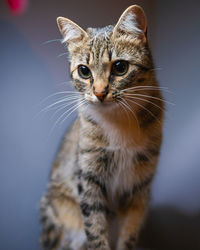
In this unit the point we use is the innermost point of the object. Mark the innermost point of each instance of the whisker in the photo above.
(138, 88)
(149, 96)
(80, 104)
(145, 86)
(156, 69)
(145, 100)
(125, 111)
(153, 89)
(133, 113)
(66, 53)
(128, 106)
(53, 105)
(62, 107)
(67, 111)
(74, 107)
(62, 83)
(50, 41)
(59, 93)
(144, 108)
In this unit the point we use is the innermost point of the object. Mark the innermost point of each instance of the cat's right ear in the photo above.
(70, 31)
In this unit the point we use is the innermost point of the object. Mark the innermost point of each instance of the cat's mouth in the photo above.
(100, 101)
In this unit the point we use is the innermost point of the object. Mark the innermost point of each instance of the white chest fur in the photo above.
(122, 178)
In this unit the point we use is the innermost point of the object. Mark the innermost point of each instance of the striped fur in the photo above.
(103, 172)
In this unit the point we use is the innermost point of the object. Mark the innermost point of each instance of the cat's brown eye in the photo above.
(120, 68)
(84, 72)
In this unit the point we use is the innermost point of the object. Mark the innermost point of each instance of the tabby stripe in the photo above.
(129, 245)
(146, 118)
(90, 120)
(79, 85)
(142, 67)
(51, 239)
(105, 158)
(130, 242)
(88, 58)
(43, 219)
(88, 224)
(99, 244)
(125, 198)
(80, 188)
(96, 207)
(110, 55)
(50, 228)
(55, 242)
(145, 157)
(91, 150)
(91, 80)
(90, 236)
(139, 187)
(154, 151)
(141, 80)
(141, 157)
(94, 179)
(111, 78)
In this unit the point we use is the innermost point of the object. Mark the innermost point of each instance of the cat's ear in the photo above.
(70, 31)
(132, 21)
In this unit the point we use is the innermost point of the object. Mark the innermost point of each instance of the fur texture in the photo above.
(99, 188)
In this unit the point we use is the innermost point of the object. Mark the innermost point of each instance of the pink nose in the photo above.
(101, 95)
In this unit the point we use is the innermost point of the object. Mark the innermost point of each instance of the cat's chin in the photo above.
(104, 106)
(106, 109)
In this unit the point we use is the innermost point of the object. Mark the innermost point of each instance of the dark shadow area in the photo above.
(167, 228)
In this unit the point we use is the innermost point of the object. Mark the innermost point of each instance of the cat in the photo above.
(99, 188)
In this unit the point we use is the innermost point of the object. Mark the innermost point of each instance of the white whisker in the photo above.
(72, 93)
(145, 100)
(149, 96)
(79, 105)
(144, 108)
(145, 86)
(124, 110)
(156, 69)
(138, 88)
(66, 53)
(53, 106)
(50, 41)
(58, 120)
(128, 106)
(62, 83)
(62, 107)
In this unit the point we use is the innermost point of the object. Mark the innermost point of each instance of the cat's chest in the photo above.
(121, 178)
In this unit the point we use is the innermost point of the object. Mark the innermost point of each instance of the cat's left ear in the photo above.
(132, 22)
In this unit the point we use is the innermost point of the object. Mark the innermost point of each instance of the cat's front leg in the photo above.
(131, 218)
(94, 210)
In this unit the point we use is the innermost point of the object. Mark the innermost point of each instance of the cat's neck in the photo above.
(121, 128)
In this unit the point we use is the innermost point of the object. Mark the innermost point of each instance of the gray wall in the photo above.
(30, 71)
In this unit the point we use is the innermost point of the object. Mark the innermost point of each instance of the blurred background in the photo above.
(31, 70)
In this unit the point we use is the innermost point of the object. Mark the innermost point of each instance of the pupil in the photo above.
(85, 70)
(120, 67)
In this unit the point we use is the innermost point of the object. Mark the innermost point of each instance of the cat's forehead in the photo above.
(100, 32)
(100, 49)
(99, 45)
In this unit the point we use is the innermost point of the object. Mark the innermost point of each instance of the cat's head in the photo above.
(106, 62)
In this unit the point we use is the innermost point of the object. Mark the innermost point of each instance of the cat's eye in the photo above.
(120, 68)
(84, 72)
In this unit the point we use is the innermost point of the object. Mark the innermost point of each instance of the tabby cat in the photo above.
(99, 188)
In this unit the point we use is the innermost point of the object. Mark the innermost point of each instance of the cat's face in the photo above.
(105, 62)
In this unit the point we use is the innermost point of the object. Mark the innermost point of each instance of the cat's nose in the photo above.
(101, 94)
